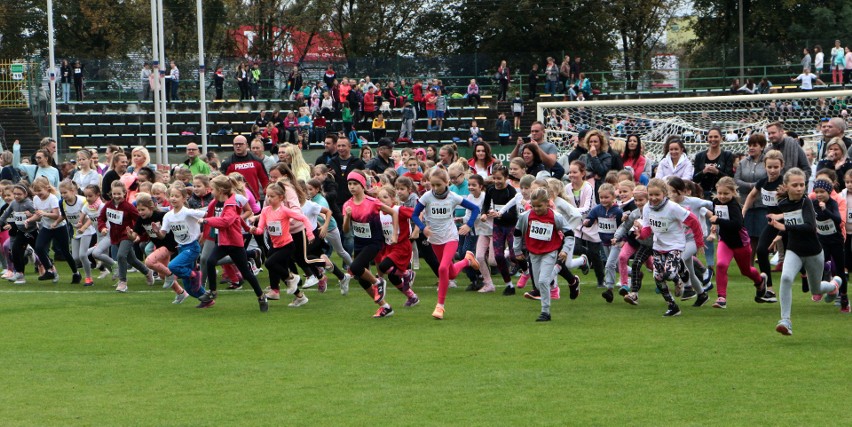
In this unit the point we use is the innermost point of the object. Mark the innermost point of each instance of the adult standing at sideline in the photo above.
(565, 73)
(117, 168)
(269, 162)
(832, 128)
(551, 72)
(750, 171)
(793, 154)
(712, 164)
(78, 80)
(503, 78)
(836, 159)
(145, 77)
(329, 149)
(175, 81)
(634, 158)
(383, 159)
(49, 144)
(41, 167)
(546, 151)
(340, 167)
(247, 165)
(197, 166)
(675, 163)
(65, 78)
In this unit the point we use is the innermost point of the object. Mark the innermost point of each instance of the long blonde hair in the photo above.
(297, 162)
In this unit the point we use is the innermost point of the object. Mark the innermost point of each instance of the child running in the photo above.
(733, 242)
(183, 224)
(766, 189)
(224, 216)
(668, 220)
(52, 230)
(94, 207)
(497, 195)
(828, 221)
(796, 221)
(147, 229)
(438, 204)
(361, 215)
(640, 249)
(82, 232)
(20, 209)
(395, 258)
(121, 216)
(606, 217)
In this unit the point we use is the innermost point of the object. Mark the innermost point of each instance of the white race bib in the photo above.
(541, 231)
(180, 230)
(115, 216)
(498, 208)
(150, 230)
(849, 216)
(442, 211)
(362, 230)
(274, 228)
(607, 225)
(387, 227)
(659, 225)
(722, 212)
(794, 218)
(19, 218)
(768, 197)
(826, 228)
(73, 218)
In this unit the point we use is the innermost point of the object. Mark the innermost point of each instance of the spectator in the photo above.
(246, 164)
(504, 129)
(634, 158)
(748, 87)
(175, 76)
(379, 127)
(447, 155)
(383, 159)
(764, 87)
(78, 80)
(145, 77)
(819, 60)
(532, 82)
(366, 154)
(139, 158)
(66, 78)
(294, 80)
(836, 159)
(517, 110)
(847, 66)
(503, 78)
(431, 100)
(49, 144)
(196, 165)
(751, 170)
(475, 133)
(807, 78)
(482, 161)
(838, 62)
(270, 135)
(473, 97)
(712, 164)
(293, 157)
(806, 60)
(832, 128)
(598, 160)
(393, 96)
(341, 165)
(369, 104)
(735, 86)
(565, 73)
(409, 116)
(546, 151)
(8, 172)
(254, 81)
(242, 76)
(41, 167)
(329, 149)
(793, 154)
(576, 68)
(329, 76)
(675, 163)
(440, 109)
(432, 154)
(219, 83)
(117, 168)
(551, 72)
(291, 128)
(417, 96)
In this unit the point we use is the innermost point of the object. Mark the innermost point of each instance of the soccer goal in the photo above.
(691, 118)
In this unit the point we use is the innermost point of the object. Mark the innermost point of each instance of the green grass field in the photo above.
(75, 356)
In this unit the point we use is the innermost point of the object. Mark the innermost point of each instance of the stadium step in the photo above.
(18, 123)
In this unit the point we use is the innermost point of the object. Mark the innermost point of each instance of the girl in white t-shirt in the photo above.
(668, 221)
(184, 225)
(101, 250)
(74, 207)
(438, 205)
(51, 229)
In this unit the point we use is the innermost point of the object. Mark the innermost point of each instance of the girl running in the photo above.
(147, 229)
(733, 241)
(275, 219)
(101, 250)
(828, 225)
(679, 193)
(668, 220)
(395, 259)
(583, 198)
(766, 189)
(797, 221)
(20, 210)
(640, 249)
(438, 204)
(224, 217)
(183, 224)
(361, 215)
(847, 194)
(605, 219)
(332, 234)
(541, 230)
(52, 230)
(82, 232)
(121, 216)
(497, 195)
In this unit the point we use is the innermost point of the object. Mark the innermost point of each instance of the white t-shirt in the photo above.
(481, 228)
(667, 224)
(311, 210)
(807, 80)
(439, 216)
(73, 213)
(184, 224)
(47, 205)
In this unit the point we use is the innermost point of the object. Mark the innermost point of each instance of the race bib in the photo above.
(442, 211)
(115, 216)
(793, 218)
(721, 211)
(387, 228)
(180, 231)
(541, 231)
(274, 228)
(362, 230)
(73, 218)
(849, 216)
(19, 218)
(826, 228)
(607, 225)
(150, 230)
(768, 197)
(659, 225)
(499, 208)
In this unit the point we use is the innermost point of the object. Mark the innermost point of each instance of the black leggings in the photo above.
(835, 253)
(769, 234)
(59, 236)
(300, 255)
(385, 267)
(278, 263)
(239, 258)
(361, 262)
(19, 247)
(593, 252)
(316, 249)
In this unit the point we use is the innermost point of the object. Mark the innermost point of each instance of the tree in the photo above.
(20, 24)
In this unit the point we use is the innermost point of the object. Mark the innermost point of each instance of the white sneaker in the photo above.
(149, 278)
(254, 268)
(453, 284)
(415, 264)
(312, 281)
(132, 270)
(18, 279)
(55, 276)
(122, 287)
(7, 274)
(169, 282)
(344, 284)
(293, 284)
(180, 297)
(299, 301)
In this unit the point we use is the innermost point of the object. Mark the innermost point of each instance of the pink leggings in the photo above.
(159, 262)
(627, 251)
(483, 248)
(446, 269)
(723, 260)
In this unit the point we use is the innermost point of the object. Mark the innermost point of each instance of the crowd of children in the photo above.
(459, 219)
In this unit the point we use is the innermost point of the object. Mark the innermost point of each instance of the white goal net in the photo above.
(691, 118)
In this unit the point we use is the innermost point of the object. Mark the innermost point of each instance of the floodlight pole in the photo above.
(155, 78)
(742, 61)
(163, 110)
(52, 78)
(201, 71)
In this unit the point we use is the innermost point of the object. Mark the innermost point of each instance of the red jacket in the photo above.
(369, 102)
(229, 223)
(121, 218)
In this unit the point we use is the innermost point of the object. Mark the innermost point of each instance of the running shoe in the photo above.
(179, 298)
(254, 268)
(149, 278)
(383, 312)
(844, 308)
(48, 275)
(438, 313)
(532, 295)
(89, 282)
(586, 264)
(784, 328)
(574, 288)
(344, 284)
(453, 284)
(770, 296)
(263, 304)
(310, 282)
(411, 302)
(607, 295)
(235, 286)
(471, 260)
(379, 290)
(522, 281)
(122, 287)
(721, 302)
(831, 296)
(322, 285)
(816, 298)
(760, 289)
(104, 273)
(293, 284)
(632, 298)
(18, 279)
(273, 294)
(554, 292)
(687, 294)
(701, 300)
(299, 301)
(623, 290)
(408, 279)
(486, 289)
(543, 317)
(672, 311)
(169, 282)
(206, 304)
(509, 291)
(76, 278)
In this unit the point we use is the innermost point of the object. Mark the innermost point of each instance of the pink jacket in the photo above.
(229, 223)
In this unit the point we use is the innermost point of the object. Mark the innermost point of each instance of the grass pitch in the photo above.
(91, 356)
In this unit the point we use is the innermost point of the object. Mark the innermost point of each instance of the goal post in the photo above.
(654, 120)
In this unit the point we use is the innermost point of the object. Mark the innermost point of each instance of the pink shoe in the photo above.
(554, 292)
(486, 289)
(816, 298)
(522, 281)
